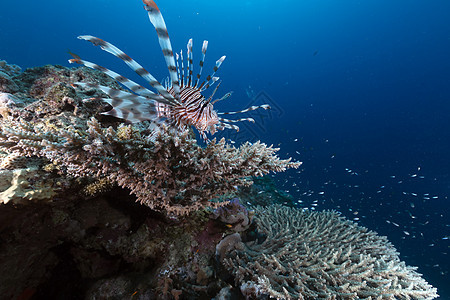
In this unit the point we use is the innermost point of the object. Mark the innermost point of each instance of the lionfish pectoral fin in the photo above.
(132, 111)
(128, 106)
(111, 92)
(204, 136)
(110, 48)
(75, 56)
(229, 126)
(264, 106)
(238, 120)
(226, 96)
(131, 85)
(150, 4)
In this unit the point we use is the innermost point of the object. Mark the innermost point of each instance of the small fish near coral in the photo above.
(180, 102)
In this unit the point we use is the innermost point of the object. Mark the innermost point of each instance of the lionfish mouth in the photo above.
(180, 102)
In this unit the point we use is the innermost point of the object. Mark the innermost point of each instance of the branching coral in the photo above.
(7, 71)
(319, 255)
(165, 169)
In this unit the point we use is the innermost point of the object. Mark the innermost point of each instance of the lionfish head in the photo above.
(208, 119)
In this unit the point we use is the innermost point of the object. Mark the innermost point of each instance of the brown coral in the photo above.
(166, 170)
(320, 255)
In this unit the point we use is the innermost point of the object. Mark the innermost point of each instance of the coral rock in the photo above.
(319, 255)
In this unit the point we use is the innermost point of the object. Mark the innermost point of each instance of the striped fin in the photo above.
(214, 92)
(157, 20)
(216, 67)
(133, 86)
(226, 96)
(166, 83)
(204, 48)
(133, 110)
(115, 93)
(265, 106)
(182, 69)
(229, 126)
(238, 120)
(190, 66)
(110, 48)
(213, 80)
(178, 65)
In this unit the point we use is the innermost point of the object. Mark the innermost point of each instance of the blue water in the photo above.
(360, 90)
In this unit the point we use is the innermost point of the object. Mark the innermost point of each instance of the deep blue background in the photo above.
(361, 85)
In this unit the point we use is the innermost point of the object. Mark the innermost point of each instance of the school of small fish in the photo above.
(404, 207)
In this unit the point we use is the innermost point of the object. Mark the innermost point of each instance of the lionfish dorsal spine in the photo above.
(177, 56)
(226, 96)
(190, 67)
(157, 20)
(210, 79)
(214, 91)
(182, 68)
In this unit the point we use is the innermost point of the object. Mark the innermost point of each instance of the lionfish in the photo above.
(180, 102)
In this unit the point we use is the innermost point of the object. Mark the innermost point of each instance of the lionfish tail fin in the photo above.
(157, 20)
(128, 106)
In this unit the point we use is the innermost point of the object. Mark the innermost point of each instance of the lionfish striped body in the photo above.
(180, 102)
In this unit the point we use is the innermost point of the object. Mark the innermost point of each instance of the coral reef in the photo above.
(235, 215)
(105, 247)
(69, 227)
(11, 70)
(21, 185)
(166, 171)
(165, 168)
(319, 255)
(264, 192)
(7, 72)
